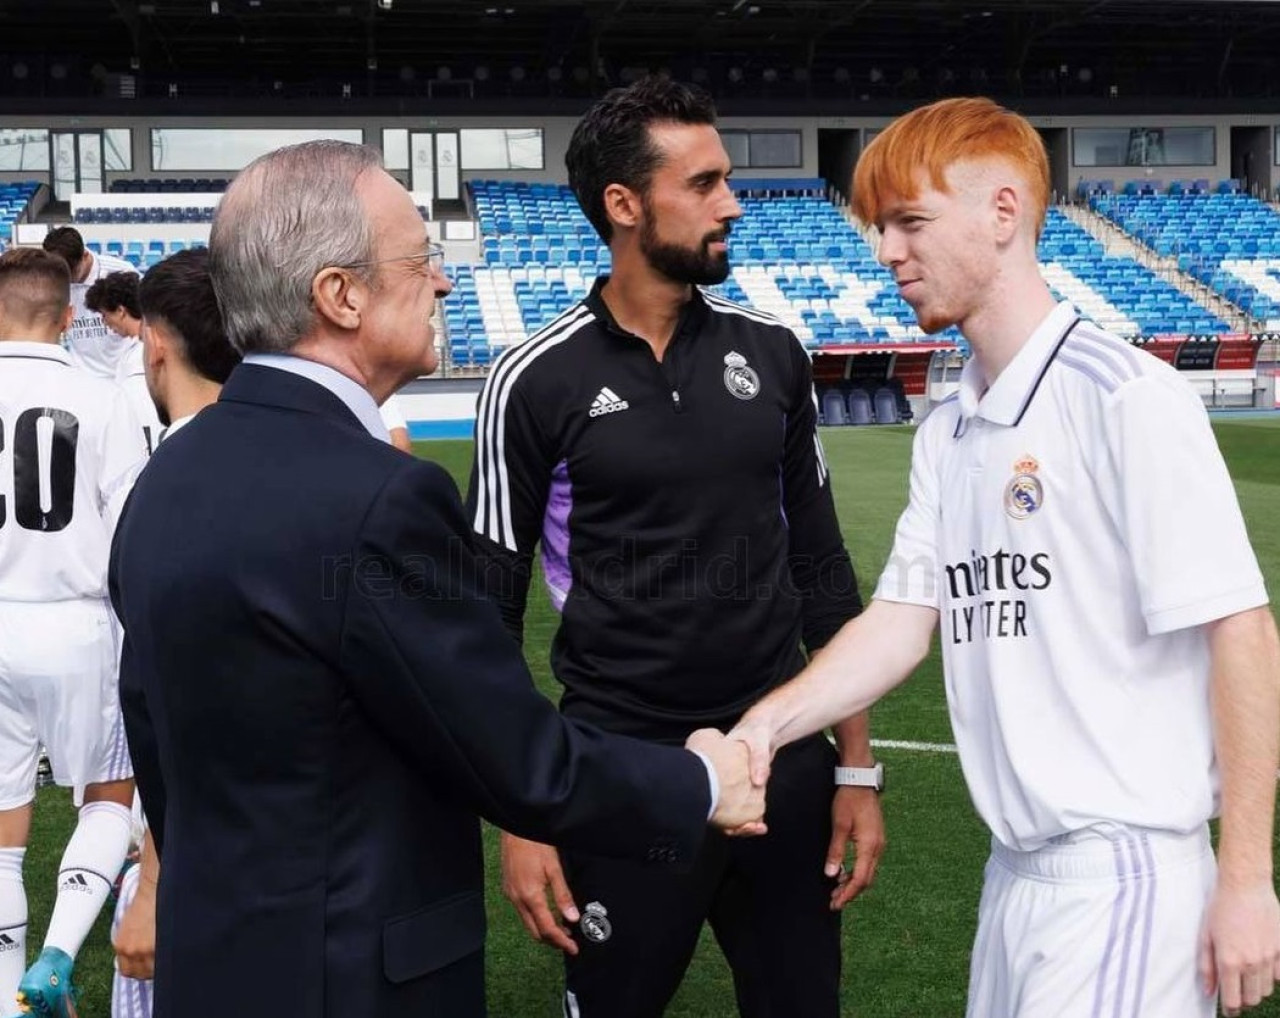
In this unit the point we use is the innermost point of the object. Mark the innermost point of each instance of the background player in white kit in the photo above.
(70, 448)
(93, 345)
(115, 298)
(1114, 680)
(186, 357)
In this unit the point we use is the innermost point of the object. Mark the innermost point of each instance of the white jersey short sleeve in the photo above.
(133, 379)
(70, 449)
(93, 345)
(393, 414)
(1082, 527)
(1168, 473)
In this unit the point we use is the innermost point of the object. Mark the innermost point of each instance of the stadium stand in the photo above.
(14, 199)
(795, 256)
(1227, 240)
(169, 185)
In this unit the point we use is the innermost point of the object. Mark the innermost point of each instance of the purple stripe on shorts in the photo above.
(555, 536)
(1148, 922)
(1117, 909)
(1139, 890)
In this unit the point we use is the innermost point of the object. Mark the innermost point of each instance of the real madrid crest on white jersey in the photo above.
(740, 378)
(1024, 494)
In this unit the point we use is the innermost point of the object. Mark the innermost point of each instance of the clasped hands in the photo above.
(741, 762)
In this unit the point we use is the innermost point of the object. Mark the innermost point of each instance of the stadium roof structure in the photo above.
(883, 53)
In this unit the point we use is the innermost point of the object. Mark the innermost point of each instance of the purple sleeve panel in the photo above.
(555, 536)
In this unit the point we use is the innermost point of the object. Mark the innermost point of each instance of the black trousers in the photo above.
(765, 898)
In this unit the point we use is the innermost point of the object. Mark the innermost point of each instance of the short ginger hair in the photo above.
(933, 138)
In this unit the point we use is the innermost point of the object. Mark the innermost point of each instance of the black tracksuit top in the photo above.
(684, 508)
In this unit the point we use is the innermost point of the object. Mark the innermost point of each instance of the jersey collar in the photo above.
(1007, 400)
(36, 351)
(691, 315)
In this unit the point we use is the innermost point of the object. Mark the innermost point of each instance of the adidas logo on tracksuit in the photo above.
(607, 402)
(7, 943)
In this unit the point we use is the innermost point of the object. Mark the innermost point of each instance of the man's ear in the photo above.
(622, 205)
(339, 297)
(1009, 210)
(68, 316)
(155, 347)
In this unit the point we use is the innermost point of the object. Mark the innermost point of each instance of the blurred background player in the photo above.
(93, 345)
(115, 298)
(187, 357)
(74, 448)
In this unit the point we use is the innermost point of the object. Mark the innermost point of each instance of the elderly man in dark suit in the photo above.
(318, 700)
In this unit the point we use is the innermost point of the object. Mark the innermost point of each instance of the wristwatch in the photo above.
(862, 777)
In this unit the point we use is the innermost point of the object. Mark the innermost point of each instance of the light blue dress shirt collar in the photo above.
(354, 396)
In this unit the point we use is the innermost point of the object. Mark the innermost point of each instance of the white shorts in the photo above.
(130, 998)
(58, 688)
(1099, 924)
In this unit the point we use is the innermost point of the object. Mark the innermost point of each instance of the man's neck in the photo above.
(1007, 322)
(27, 332)
(188, 395)
(645, 303)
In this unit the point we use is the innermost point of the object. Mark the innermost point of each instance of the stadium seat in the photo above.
(833, 408)
(886, 406)
(860, 407)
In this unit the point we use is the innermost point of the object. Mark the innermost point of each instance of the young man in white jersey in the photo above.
(115, 298)
(1114, 682)
(93, 345)
(70, 448)
(186, 358)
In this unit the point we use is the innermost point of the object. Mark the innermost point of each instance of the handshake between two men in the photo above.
(739, 810)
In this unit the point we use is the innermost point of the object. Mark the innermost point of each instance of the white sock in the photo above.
(89, 868)
(13, 928)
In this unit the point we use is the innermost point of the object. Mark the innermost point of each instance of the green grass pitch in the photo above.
(907, 939)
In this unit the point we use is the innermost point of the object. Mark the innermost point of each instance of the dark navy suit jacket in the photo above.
(319, 704)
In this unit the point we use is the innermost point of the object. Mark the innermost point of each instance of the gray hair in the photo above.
(286, 216)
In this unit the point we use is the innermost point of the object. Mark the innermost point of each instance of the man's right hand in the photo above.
(740, 810)
(529, 870)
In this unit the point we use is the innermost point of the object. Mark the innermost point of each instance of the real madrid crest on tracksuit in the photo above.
(739, 379)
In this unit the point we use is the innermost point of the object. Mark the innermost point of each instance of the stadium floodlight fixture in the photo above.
(385, 4)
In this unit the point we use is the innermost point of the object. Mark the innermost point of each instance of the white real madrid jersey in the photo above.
(1075, 527)
(70, 448)
(93, 344)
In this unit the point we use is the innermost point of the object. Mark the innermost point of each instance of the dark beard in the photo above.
(696, 266)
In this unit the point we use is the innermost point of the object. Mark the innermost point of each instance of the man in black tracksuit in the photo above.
(660, 443)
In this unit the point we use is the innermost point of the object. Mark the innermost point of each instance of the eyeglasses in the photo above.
(432, 254)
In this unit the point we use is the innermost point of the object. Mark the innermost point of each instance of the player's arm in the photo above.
(122, 453)
(135, 938)
(1160, 454)
(506, 502)
(879, 648)
(871, 655)
(823, 574)
(507, 497)
(1241, 948)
